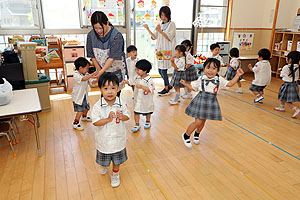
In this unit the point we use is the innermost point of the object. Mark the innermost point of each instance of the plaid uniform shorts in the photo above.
(118, 158)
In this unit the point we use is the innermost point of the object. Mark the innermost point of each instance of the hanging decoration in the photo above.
(89, 14)
(147, 17)
(111, 17)
(166, 2)
(140, 4)
(153, 4)
(102, 3)
(139, 18)
(87, 3)
(121, 17)
(157, 20)
(120, 3)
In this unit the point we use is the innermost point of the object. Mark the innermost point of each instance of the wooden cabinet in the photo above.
(284, 42)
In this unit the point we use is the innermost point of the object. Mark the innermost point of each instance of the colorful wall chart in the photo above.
(243, 41)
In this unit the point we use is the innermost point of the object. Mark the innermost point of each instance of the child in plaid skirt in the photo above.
(205, 104)
(179, 64)
(108, 115)
(233, 67)
(289, 90)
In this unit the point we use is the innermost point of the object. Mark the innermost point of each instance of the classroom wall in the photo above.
(286, 13)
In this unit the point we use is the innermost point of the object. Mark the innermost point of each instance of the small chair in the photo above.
(6, 129)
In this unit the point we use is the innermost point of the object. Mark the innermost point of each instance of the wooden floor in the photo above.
(254, 153)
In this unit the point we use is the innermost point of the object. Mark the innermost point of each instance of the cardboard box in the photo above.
(289, 45)
(27, 50)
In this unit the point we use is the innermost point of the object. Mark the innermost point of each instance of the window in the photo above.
(214, 13)
(60, 14)
(205, 40)
(18, 14)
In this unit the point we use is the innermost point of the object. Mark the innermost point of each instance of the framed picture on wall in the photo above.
(243, 41)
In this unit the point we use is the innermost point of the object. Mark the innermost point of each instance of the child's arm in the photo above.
(189, 86)
(250, 67)
(239, 73)
(173, 63)
(139, 86)
(87, 77)
(104, 121)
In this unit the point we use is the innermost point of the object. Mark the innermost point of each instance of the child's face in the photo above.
(84, 70)
(211, 70)
(109, 91)
(216, 51)
(132, 54)
(140, 72)
(178, 54)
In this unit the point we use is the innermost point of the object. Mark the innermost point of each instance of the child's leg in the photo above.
(115, 176)
(197, 124)
(84, 114)
(116, 168)
(137, 119)
(294, 108)
(197, 133)
(200, 127)
(239, 84)
(77, 116)
(147, 124)
(177, 94)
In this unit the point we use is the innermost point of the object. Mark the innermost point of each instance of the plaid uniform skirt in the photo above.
(191, 74)
(256, 88)
(177, 76)
(289, 92)
(230, 73)
(118, 158)
(204, 106)
(81, 108)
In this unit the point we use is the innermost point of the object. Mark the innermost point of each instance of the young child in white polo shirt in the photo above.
(108, 115)
(262, 74)
(80, 91)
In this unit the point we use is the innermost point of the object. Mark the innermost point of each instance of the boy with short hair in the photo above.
(262, 74)
(215, 50)
(131, 61)
(80, 91)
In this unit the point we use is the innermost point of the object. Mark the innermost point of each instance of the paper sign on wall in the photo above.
(243, 41)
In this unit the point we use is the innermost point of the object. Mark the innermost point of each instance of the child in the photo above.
(215, 50)
(143, 94)
(289, 90)
(179, 64)
(205, 104)
(233, 67)
(131, 61)
(190, 70)
(80, 91)
(109, 114)
(262, 74)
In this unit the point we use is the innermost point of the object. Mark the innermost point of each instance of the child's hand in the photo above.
(120, 114)
(182, 82)
(250, 66)
(226, 64)
(239, 72)
(111, 116)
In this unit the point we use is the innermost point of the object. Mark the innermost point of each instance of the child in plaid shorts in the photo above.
(205, 105)
(108, 115)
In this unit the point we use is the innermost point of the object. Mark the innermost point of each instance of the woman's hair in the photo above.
(215, 61)
(108, 77)
(187, 43)
(167, 11)
(144, 65)
(99, 17)
(234, 52)
(295, 57)
(264, 53)
(81, 62)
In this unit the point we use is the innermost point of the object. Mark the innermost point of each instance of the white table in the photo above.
(24, 102)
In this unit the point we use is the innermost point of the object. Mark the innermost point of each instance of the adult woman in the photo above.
(105, 45)
(165, 45)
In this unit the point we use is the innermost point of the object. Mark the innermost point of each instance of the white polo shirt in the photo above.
(262, 73)
(80, 88)
(131, 69)
(111, 137)
(210, 84)
(218, 57)
(285, 73)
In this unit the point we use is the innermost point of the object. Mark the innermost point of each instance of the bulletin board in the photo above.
(243, 41)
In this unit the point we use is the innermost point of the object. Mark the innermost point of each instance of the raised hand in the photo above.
(239, 72)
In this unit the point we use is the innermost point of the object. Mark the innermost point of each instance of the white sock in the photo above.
(176, 96)
(186, 91)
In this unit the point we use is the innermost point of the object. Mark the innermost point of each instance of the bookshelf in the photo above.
(284, 42)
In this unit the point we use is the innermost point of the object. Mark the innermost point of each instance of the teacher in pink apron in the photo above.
(105, 46)
(165, 36)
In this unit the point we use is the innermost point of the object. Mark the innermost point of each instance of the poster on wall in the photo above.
(243, 41)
